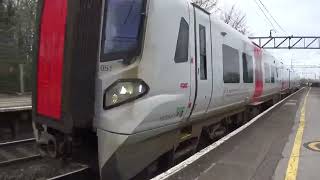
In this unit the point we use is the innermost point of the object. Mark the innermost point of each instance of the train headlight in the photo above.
(124, 91)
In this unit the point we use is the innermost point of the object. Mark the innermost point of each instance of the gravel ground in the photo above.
(37, 169)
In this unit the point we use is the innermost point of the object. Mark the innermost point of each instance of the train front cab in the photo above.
(132, 135)
(96, 74)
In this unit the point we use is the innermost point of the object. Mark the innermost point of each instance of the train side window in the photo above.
(182, 49)
(273, 72)
(203, 53)
(231, 64)
(267, 78)
(247, 68)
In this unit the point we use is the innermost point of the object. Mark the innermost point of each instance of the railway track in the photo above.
(17, 151)
(22, 160)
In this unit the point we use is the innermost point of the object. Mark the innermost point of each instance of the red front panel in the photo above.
(51, 57)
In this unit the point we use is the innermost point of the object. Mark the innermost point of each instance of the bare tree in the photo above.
(17, 32)
(236, 19)
(208, 5)
(19, 18)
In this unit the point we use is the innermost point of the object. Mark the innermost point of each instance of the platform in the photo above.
(269, 148)
(9, 103)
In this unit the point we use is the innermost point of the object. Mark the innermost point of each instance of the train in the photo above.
(139, 85)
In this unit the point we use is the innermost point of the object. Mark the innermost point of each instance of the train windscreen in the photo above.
(123, 21)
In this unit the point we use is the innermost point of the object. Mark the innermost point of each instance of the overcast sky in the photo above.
(295, 16)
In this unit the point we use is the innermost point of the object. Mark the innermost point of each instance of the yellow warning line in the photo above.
(293, 164)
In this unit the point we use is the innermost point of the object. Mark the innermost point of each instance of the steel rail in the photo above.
(9, 161)
(10, 143)
(82, 170)
(18, 160)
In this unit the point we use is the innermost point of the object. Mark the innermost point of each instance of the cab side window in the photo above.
(182, 49)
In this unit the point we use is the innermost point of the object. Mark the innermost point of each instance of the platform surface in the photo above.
(269, 148)
(301, 157)
(10, 102)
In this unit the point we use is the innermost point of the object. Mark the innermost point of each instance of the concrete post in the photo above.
(21, 69)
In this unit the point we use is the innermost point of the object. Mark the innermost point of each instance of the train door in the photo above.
(203, 60)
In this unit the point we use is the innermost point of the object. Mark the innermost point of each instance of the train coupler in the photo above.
(55, 145)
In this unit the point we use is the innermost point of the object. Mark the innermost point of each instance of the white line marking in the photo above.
(208, 169)
(293, 100)
(206, 150)
(290, 104)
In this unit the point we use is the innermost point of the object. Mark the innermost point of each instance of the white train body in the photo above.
(183, 71)
(175, 86)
